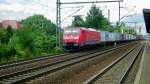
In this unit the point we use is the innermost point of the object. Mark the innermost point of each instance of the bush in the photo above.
(58, 50)
(35, 38)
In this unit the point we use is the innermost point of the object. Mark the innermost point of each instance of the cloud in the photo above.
(20, 9)
(3, 2)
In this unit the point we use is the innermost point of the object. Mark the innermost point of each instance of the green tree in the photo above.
(78, 21)
(6, 34)
(39, 21)
(105, 24)
(9, 33)
(28, 41)
(95, 19)
(121, 27)
(2, 35)
(6, 52)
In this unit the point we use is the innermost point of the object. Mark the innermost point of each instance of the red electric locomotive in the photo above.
(79, 37)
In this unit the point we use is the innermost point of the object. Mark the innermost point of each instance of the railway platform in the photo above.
(143, 76)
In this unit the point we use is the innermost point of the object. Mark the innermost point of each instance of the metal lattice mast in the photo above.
(58, 22)
(119, 12)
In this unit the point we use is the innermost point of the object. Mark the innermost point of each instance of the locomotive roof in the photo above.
(83, 28)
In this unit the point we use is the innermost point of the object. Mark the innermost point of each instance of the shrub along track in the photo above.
(117, 71)
(79, 72)
(44, 58)
(29, 70)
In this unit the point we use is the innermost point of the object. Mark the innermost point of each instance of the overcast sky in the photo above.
(20, 9)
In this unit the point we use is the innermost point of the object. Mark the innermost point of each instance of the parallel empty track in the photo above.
(116, 72)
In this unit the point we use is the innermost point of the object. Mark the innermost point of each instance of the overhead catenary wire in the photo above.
(58, 14)
(71, 14)
(91, 2)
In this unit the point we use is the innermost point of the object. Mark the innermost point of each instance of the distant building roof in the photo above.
(13, 23)
(146, 13)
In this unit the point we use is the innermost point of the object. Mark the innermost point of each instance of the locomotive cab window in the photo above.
(71, 31)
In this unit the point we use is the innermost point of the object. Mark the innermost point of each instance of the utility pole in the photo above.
(108, 14)
(119, 11)
(135, 24)
(58, 23)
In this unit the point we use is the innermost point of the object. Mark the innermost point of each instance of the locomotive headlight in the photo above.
(71, 37)
(76, 37)
(66, 37)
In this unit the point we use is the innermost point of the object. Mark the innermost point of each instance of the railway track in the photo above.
(21, 62)
(27, 61)
(117, 71)
(24, 62)
(10, 68)
(22, 76)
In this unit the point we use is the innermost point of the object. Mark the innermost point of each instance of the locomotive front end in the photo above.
(71, 38)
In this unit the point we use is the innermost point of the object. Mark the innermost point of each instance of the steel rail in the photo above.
(46, 65)
(130, 66)
(107, 68)
(21, 62)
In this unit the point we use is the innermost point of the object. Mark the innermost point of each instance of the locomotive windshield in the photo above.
(71, 31)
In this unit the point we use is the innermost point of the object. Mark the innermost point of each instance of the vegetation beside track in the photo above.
(33, 39)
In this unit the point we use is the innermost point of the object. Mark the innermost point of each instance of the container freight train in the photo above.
(74, 38)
